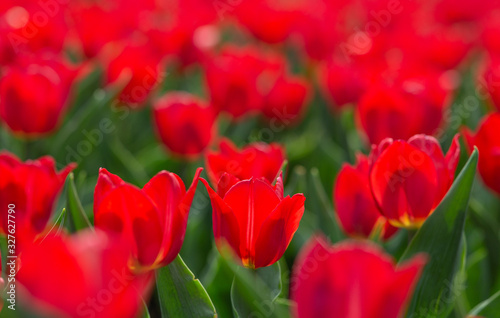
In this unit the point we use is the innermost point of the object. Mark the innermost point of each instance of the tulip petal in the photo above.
(404, 182)
(252, 201)
(226, 182)
(224, 222)
(141, 225)
(105, 183)
(278, 229)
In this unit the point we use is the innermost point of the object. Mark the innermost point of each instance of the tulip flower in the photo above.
(356, 209)
(413, 105)
(351, 279)
(139, 63)
(85, 275)
(286, 102)
(152, 220)
(257, 160)
(487, 141)
(184, 123)
(242, 80)
(491, 82)
(254, 218)
(410, 178)
(34, 95)
(31, 189)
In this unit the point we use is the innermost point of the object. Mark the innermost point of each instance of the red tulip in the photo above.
(409, 179)
(240, 79)
(269, 21)
(32, 26)
(491, 81)
(286, 102)
(351, 279)
(142, 66)
(85, 275)
(32, 188)
(487, 141)
(414, 104)
(254, 218)
(184, 123)
(34, 95)
(257, 160)
(356, 210)
(152, 220)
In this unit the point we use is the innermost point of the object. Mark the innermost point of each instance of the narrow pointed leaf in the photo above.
(79, 219)
(440, 237)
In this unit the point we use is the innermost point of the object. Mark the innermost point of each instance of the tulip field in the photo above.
(260, 159)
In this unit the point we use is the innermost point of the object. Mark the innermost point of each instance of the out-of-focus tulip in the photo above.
(490, 80)
(487, 141)
(34, 95)
(31, 189)
(31, 26)
(257, 160)
(184, 123)
(247, 80)
(142, 66)
(354, 204)
(85, 275)
(269, 21)
(414, 104)
(410, 178)
(344, 83)
(286, 101)
(152, 220)
(351, 279)
(254, 218)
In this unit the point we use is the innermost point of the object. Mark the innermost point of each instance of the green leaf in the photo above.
(77, 214)
(484, 304)
(254, 293)
(440, 237)
(320, 202)
(180, 294)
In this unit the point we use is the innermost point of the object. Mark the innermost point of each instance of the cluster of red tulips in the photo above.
(271, 105)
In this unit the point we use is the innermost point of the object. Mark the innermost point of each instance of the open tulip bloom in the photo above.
(254, 218)
(152, 220)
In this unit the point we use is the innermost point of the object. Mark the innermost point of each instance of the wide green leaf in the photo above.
(180, 294)
(440, 237)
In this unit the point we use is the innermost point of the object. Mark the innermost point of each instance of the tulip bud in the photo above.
(34, 96)
(184, 123)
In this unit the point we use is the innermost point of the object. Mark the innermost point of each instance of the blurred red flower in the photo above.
(354, 204)
(34, 94)
(351, 279)
(245, 80)
(140, 67)
(184, 123)
(152, 220)
(412, 103)
(82, 275)
(32, 187)
(259, 160)
(254, 218)
(410, 178)
(487, 141)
